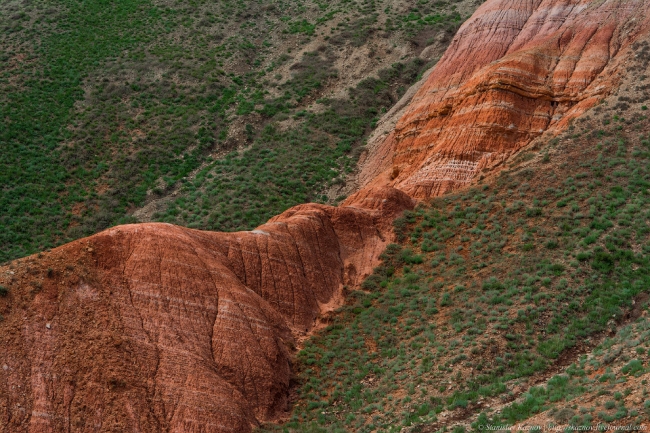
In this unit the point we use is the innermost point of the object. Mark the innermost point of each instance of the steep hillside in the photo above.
(522, 300)
(478, 296)
(155, 327)
(108, 107)
(515, 70)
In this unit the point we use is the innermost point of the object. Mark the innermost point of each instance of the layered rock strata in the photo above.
(516, 69)
(157, 328)
(154, 327)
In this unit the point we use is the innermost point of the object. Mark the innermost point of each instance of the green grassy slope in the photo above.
(46, 54)
(282, 168)
(605, 387)
(492, 290)
(105, 105)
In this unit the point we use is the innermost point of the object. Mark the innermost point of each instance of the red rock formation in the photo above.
(154, 327)
(157, 328)
(515, 69)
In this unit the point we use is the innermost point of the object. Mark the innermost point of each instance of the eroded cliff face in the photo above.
(158, 328)
(516, 69)
(154, 327)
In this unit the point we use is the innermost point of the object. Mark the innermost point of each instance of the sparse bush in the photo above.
(633, 367)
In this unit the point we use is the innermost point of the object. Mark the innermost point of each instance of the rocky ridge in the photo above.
(154, 327)
(515, 70)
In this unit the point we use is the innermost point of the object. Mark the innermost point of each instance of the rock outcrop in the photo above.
(158, 328)
(514, 70)
(154, 327)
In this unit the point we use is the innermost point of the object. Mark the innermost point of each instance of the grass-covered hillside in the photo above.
(222, 113)
(499, 302)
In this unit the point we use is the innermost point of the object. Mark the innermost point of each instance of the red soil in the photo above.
(153, 327)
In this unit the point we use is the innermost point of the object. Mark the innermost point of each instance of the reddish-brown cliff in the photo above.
(516, 69)
(157, 328)
(154, 327)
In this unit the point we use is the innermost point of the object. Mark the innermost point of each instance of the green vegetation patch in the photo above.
(490, 287)
(285, 167)
(105, 107)
(45, 60)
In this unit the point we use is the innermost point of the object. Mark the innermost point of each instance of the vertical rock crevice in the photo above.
(160, 328)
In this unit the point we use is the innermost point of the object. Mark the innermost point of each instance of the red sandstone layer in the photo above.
(154, 327)
(516, 69)
(157, 328)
